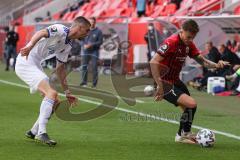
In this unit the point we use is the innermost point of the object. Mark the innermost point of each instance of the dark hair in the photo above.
(229, 43)
(6, 29)
(210, 43)
(150, 24)
(82, 20)
(190, 26)
(222, 45)
(93, 18)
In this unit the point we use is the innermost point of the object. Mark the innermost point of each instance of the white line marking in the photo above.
(134, 112)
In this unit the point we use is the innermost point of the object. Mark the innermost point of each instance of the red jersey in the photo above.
(175, 52)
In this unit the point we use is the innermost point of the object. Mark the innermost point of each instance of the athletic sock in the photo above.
(34, 129)
(186, 120)
(45, 113)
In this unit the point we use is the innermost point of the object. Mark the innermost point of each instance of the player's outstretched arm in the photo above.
(155, 68)
(35, 38)
(209, 64)
(62, 75)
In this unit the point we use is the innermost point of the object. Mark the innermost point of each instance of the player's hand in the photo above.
(26, 50)
(230, 77)
(159, 93)
(221, 64)
(71, 99)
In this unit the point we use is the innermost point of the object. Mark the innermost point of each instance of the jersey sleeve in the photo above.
(57, 30)
(193, 51)
(166, 48)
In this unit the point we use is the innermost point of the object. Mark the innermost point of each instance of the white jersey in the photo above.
(57, 44)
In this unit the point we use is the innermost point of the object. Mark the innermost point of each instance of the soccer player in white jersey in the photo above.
(55, 40)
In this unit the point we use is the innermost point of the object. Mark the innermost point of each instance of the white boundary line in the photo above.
(134, 112)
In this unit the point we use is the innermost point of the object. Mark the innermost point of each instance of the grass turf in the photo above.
(114, 136)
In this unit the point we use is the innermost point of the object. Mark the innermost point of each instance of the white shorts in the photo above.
(30, 73)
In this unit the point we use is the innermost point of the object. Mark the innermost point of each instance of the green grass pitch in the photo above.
(117, 135)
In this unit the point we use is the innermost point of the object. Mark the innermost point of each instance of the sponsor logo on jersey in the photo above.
(53, 29)
(182, 59)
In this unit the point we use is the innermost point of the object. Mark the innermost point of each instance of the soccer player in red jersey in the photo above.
(171, 55)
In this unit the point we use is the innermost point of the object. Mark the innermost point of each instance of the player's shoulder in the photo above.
(169, 45)
(170, 42)
(173, 39)
(192, 46)
(58, 25)
(59, 28)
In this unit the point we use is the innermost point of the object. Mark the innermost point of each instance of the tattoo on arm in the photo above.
(205, 62)
(199, 60)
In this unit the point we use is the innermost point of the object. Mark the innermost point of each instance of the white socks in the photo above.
(34, 129)
(45, 113)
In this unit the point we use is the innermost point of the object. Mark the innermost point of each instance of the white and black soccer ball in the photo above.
(206, 138)
(148, 90)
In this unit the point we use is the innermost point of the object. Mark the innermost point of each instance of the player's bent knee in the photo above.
(192, 104)
(52, 94)
(187, 101)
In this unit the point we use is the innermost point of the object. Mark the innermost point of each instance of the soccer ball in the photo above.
(206, 138)
(148, 90)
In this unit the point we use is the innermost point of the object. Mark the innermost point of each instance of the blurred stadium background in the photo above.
(218, 20)
(129, 131)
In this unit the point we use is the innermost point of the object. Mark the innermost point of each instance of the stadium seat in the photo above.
(237, 10)
(160, 2)
(124, 4)
(88, 13)
(98, 13)
(186, 3)
(157, 11)
(114, 4)
(84, 6)
(65, 17)
(204, 6)
(170, 9)
(56, 16)
(118, 20)
(113, 12)
(127, 12)
(71, 15)
(98, 6)
(113, 8)
(134, 3)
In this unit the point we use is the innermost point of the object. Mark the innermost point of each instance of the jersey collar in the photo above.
(67, 40)
(180, 40)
